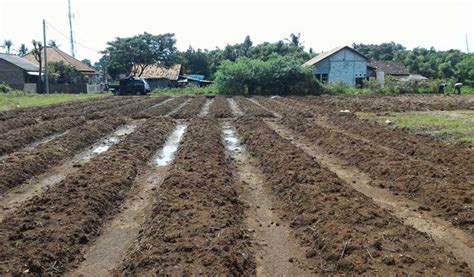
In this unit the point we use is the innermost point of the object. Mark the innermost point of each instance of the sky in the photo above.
(207, 24)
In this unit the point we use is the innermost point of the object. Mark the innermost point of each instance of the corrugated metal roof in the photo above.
(160, 72)
(56, 55)
(20, 62)
(327, 54)
(390, 67)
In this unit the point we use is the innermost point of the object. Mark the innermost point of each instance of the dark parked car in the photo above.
(132, 85)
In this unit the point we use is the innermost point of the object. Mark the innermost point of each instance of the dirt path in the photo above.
(455, 240)
(105, 253)
(37, 185)
(277, 254)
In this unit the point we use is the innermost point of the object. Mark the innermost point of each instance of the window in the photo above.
(323, 78)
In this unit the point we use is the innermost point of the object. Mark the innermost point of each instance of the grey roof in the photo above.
(327, 54)
(390, 67)
(20, 62)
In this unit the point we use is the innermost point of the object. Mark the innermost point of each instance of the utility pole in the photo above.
(45, 47)
(70, 29)
(467, 45)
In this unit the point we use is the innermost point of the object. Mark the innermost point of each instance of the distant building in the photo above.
(342, 64)
(161, 77)
(193, 80)
(56, 55)
(395, 69)
(18, 73)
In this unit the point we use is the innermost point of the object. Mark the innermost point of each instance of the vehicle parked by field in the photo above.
(132, 85)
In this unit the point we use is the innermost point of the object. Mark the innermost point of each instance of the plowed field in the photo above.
(281, 186)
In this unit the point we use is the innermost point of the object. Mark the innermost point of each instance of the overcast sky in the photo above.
(323, 24)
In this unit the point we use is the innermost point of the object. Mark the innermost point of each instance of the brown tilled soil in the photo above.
(47, 234)
(48, 110)
(220, 108)
(197, 222)
(191, 109)
(392, 103)
(15, 123)
(163, 109)
(457, 157)
(19, 138)
(281, 108)
(21, 166)
(438, 176)
(313, 192)
(342, 230)
(251, 109)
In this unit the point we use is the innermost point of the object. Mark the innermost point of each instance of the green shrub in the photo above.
(4, 88)
(209, 90)
(276, 76)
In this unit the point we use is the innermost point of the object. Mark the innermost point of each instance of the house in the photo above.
(56, 55)
(159, 76)
(342, 64)
(89, 74)
(193, 80)
(18, 73)
(394, 69)
(390, 68)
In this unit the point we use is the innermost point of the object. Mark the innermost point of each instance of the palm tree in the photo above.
(7, 44)
(23, 50)
(295, 39)
(53, 44)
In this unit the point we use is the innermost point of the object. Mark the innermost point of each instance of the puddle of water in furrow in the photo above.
(166, 155)
(35, 144)
(37, 185)
(277, 254)
(206, 108)
(234, 107)
(179, 107)
(118, 235)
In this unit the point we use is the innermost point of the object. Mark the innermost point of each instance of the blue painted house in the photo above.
(342, 64)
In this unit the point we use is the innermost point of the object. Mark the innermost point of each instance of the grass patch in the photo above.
(210, 90)
(16, 99)
(450, 126)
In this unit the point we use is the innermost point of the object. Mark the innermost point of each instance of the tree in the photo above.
(131, 56)
(37, 51)
(101, 66)
(466, 69)
(87, 61)
(278, 75)
(246, 46)
(384, 52)
(23, 50)
(7, 44)
(295, 40)
(196, 62)
(52, 43)
(61, 73)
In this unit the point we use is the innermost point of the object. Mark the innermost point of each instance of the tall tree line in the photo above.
(431, 63)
